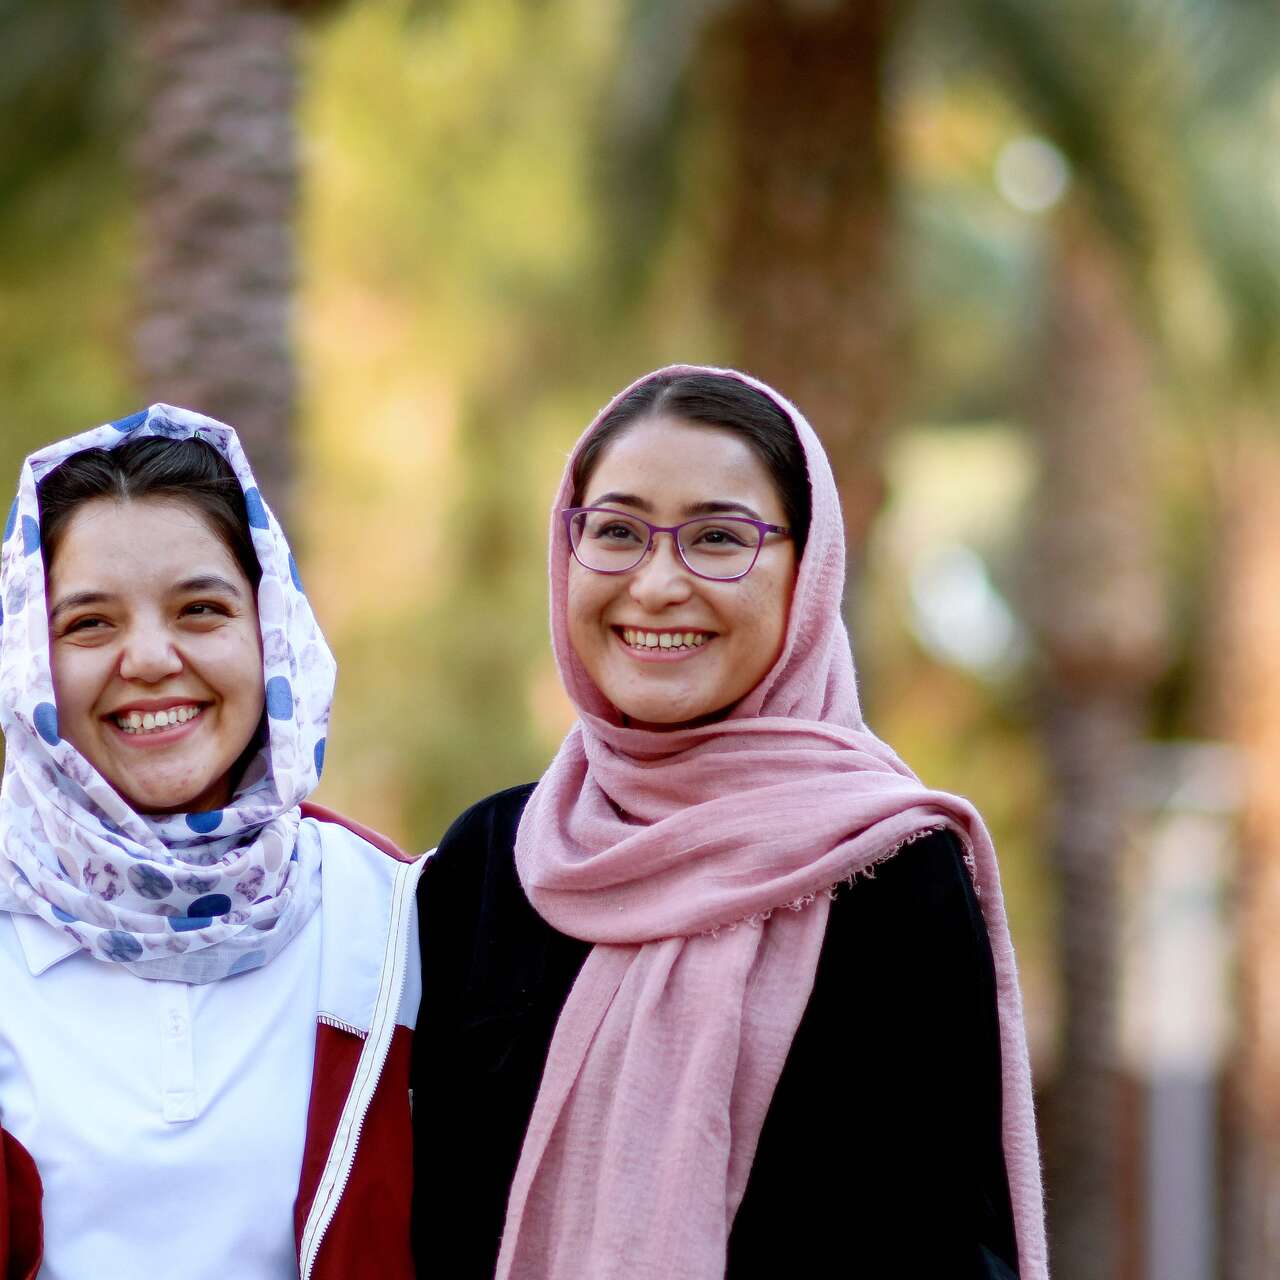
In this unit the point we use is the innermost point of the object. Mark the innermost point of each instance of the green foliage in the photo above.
(453, 304)
(511, 209)
(63, 100)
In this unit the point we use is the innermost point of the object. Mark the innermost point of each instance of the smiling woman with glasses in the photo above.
(729, 992)
(721, 547)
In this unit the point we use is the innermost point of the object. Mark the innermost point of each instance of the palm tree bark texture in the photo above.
(1095, 602)
(216, 163)
(805, 272)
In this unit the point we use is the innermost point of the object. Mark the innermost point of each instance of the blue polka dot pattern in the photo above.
(293, 572)
(203, 823)
(125, 425)
(150, 882)
(120, 946)
(12, 522)
(212, 904)
(30, 535)
(279, 698)
(65, 916)
(256, 508)
(187, 924)
(45, 718)
(320, 756)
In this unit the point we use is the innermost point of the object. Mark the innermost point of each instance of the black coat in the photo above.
(881, 1153)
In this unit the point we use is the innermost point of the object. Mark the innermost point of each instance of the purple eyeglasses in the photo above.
(721, 548)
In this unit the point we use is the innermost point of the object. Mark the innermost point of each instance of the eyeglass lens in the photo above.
(717, 547)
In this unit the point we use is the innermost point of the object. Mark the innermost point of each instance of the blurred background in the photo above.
(1018, 262)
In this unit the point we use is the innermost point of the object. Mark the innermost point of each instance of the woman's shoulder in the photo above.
(489, 824)
(920, 906)
(930, 870)
(331, 819)
(476, 856)
(479, 934)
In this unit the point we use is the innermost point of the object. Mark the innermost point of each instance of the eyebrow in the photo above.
(209, 582)
(78, 598)
(712, 508)
(202, 582)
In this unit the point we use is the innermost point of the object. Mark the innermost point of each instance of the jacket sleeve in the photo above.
(21, 1221)
(882, 1151)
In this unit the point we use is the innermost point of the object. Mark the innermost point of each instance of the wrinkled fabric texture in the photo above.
(190, 897)
(701, 863)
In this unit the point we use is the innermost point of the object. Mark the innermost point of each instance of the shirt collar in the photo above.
(42, 944)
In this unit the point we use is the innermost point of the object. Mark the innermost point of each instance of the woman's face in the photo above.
(156, 653)
(666, 471)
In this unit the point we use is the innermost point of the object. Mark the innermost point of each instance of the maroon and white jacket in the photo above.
(351, 1219)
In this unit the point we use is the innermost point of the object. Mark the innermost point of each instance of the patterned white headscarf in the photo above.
(194, 897)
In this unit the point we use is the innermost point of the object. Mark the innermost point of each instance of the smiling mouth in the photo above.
(669, 640)
(142, 723)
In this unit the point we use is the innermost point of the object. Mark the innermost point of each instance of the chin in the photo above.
(663, 714)
(159, 798)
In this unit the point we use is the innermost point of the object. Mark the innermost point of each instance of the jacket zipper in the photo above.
(373, 1057)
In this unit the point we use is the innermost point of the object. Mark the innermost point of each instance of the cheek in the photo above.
(76, 678)
(232, 664)
(583, 603)
(250, 678)
(782, 609)
(764, 614)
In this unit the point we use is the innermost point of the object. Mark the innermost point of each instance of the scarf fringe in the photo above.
(757, 918)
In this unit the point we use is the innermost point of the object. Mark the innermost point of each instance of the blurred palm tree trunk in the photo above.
(805, 268)
(1095, 601)
(216, 161)
(1246, 659)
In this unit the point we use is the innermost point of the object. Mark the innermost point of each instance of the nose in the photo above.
(661, 578)
(149, 655)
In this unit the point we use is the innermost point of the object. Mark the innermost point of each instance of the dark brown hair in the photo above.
(190, 472)
(713, 400)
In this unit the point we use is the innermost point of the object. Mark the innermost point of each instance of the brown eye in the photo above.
(84, 624)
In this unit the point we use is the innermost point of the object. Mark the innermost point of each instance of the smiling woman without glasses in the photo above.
(203, 1058)
(729, 992)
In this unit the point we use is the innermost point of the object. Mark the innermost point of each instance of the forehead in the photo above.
(663, 458)
(138, 543)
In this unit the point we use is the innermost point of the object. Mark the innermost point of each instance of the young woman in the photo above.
(207, 995)
(729, 992)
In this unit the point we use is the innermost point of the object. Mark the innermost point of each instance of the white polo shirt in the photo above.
(167, 1120)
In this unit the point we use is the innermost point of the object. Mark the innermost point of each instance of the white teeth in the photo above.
(664, 639)
(146, 721)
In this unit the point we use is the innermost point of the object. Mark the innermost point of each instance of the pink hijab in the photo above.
(702, 862)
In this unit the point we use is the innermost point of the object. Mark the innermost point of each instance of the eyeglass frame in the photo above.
(567, 514)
